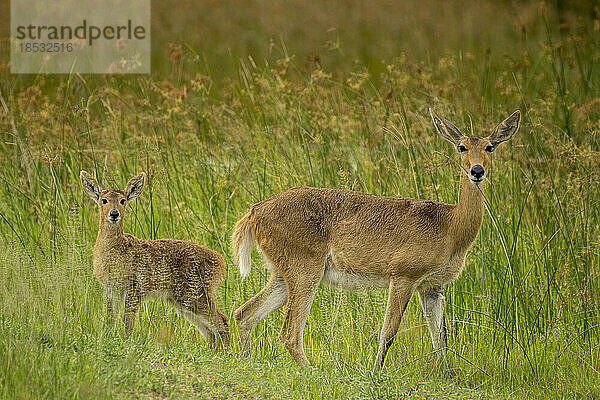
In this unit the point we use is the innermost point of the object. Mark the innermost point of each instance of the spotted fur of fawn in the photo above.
(184, 273)
(353, 240)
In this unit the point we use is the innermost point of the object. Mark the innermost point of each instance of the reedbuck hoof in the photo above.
(124, 334)
(440, 358)
(243, 350)
(222, 342)
(297, 352)
(243, 346)
(377, 367)
(243, 335)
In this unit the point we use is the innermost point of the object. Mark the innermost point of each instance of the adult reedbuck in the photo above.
(356, 240)
(185, 273)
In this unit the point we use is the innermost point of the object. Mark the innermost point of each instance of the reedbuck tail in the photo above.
(243, 241)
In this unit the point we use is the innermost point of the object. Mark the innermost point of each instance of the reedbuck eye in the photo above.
(123, 202)
(461, 148)
(489, 148)
(104, 201)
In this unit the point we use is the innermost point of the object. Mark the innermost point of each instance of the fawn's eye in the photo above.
(461, 148)
(122, 202)
(104, 201)
(489, 148)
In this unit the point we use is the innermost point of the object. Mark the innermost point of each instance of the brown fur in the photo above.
(356, 240)
(184, 273)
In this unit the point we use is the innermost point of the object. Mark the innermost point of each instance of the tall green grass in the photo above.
(523, 317)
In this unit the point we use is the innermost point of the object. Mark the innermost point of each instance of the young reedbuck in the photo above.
(356, 240)
(185, 273)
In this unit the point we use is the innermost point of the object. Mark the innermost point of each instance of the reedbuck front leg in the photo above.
(301, 293)
(433, 304)
(113, 307)
(401, 289)
(132, 304)
(110, 312)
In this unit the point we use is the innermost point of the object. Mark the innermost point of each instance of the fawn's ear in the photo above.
(135, 186)
(90, 186)
(446, 128)
(506, 129)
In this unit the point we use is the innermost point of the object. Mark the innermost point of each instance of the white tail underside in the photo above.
(244, 254)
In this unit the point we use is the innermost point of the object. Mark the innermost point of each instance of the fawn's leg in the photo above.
(110, 316)
(113, 307)
(200, 321)
(132, 304)
(197, 310)
(219, 326)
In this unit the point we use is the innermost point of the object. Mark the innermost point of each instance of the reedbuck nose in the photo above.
(113, 214)
(477, 171)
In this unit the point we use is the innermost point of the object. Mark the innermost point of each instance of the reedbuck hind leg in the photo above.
(219, 326)
(206, 317)
(433, 304)
(259, 307)
(400, 292)
(201, 323)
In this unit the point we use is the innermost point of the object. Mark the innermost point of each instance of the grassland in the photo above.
(245, 102)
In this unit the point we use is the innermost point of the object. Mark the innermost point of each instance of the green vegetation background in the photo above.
(248, 99)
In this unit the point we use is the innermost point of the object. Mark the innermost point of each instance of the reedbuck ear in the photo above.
(506, 129)
(135, 186)
(446, 129)
(90, 186)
